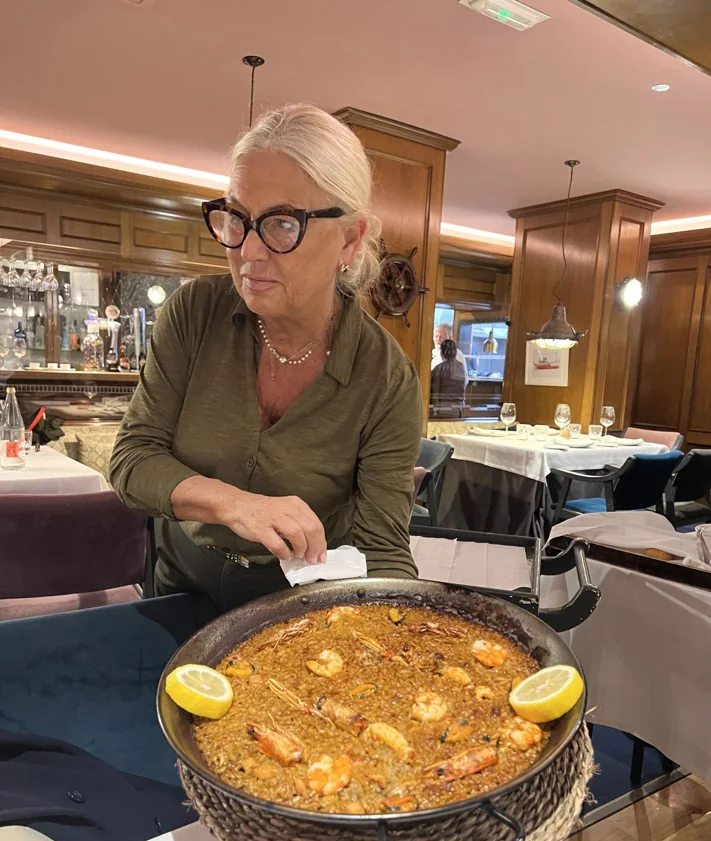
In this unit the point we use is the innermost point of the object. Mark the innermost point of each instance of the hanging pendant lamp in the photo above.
(557, 333)
(253, 61)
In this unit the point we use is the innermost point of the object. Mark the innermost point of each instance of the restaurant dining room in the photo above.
(355, 421)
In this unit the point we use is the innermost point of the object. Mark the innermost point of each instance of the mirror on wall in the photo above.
(467, 367)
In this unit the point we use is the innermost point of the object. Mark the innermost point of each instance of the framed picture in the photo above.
(546, 367)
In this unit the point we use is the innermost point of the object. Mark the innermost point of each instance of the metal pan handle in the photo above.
(585, 600)
(507, 820)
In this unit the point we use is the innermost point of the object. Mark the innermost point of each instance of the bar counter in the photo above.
(74, 396)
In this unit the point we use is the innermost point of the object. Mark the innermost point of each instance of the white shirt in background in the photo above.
(437, 358)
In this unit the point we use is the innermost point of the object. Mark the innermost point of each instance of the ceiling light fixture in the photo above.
(557, 333)
(661, 88)
(630, 292)
(509, 12)
(253, 61)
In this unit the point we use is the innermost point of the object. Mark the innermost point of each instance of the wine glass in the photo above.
(608, 417)
(4, 274)
(36, 282)
(5, 347)
(50, 281)
(562, 416)
(26, 277)
(508, 414)
(13, 278)
(19, 348)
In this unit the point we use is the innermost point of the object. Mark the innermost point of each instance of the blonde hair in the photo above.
(333, 157)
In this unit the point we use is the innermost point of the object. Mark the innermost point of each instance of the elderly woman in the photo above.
(274, 418)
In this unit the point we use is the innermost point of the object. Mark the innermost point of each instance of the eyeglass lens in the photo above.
(280, 233)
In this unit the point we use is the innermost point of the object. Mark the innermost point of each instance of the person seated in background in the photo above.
(442, 332)
(449, 378)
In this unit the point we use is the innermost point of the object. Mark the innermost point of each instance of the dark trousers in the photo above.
(219, 584)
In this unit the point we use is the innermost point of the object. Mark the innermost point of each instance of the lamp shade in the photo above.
(556, 333)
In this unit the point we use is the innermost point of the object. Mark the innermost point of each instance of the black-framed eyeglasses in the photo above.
(280, 230)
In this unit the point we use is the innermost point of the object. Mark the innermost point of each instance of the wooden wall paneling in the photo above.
(608, 233)
(539, 259)
(158, 238)
(618, 359)
(698, 373)
(24, 218)
(87, 227)
(408, 165)
(468, 284)
(667, 331)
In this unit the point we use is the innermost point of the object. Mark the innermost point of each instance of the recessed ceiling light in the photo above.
(661, 88)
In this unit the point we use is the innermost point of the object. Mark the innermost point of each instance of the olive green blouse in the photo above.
(347, 447)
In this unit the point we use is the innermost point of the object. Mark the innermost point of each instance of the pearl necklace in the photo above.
(305, 352)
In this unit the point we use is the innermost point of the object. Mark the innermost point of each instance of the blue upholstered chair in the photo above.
(434, 456)
(690, 484)
(640, 483)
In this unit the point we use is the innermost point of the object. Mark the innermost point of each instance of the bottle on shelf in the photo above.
(12, 433)
(93, 345)
(64, 332)
(39, 333)
(30, 332)
(74, 337)
(123, 358)
(20, 333)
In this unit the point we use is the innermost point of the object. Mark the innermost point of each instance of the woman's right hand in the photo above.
(272, 521)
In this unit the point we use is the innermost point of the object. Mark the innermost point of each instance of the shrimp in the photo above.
(489, 654)
(335, 614)
(328, 777)
(484, 693)
(329, 663)
(428, 707)
(293, 700)
(342, 715)
(437, 630)
(522, 734)
(277, 744)
(355, 807)
(299, 629)
(392, 738)
(463, 765)
(375, 646)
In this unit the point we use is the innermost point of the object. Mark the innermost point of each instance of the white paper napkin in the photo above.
(344, 562)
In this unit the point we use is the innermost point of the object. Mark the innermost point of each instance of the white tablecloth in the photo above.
(50, 472)
(646, 653)
(532, 459)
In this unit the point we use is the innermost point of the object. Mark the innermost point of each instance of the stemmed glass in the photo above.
(508, 414)
(13, 278)
(50, 282)
(19, 348)
(5, 347)
(26, 278)
(4, 275)
(608, 417)
(562, 416)
(36, 282)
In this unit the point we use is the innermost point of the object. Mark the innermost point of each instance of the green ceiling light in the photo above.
(557, 333)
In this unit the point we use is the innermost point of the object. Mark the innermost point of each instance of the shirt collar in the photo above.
(345, 341)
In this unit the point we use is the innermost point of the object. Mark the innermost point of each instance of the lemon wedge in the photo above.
(200, 690)
(548, 694)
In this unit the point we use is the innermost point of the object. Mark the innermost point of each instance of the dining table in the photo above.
(48, 471)
(497, 482)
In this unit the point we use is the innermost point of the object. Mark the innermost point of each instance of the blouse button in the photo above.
(250, 463)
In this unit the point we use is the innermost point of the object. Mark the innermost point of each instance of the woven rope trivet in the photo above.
(547, 806)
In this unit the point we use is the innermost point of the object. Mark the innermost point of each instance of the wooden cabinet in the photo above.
(675, 361)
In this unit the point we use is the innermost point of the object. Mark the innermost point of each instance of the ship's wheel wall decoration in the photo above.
(397, 287)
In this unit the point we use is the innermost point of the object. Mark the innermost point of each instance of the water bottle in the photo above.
(12, 434)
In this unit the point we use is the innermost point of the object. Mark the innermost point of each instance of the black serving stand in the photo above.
(571, 555)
